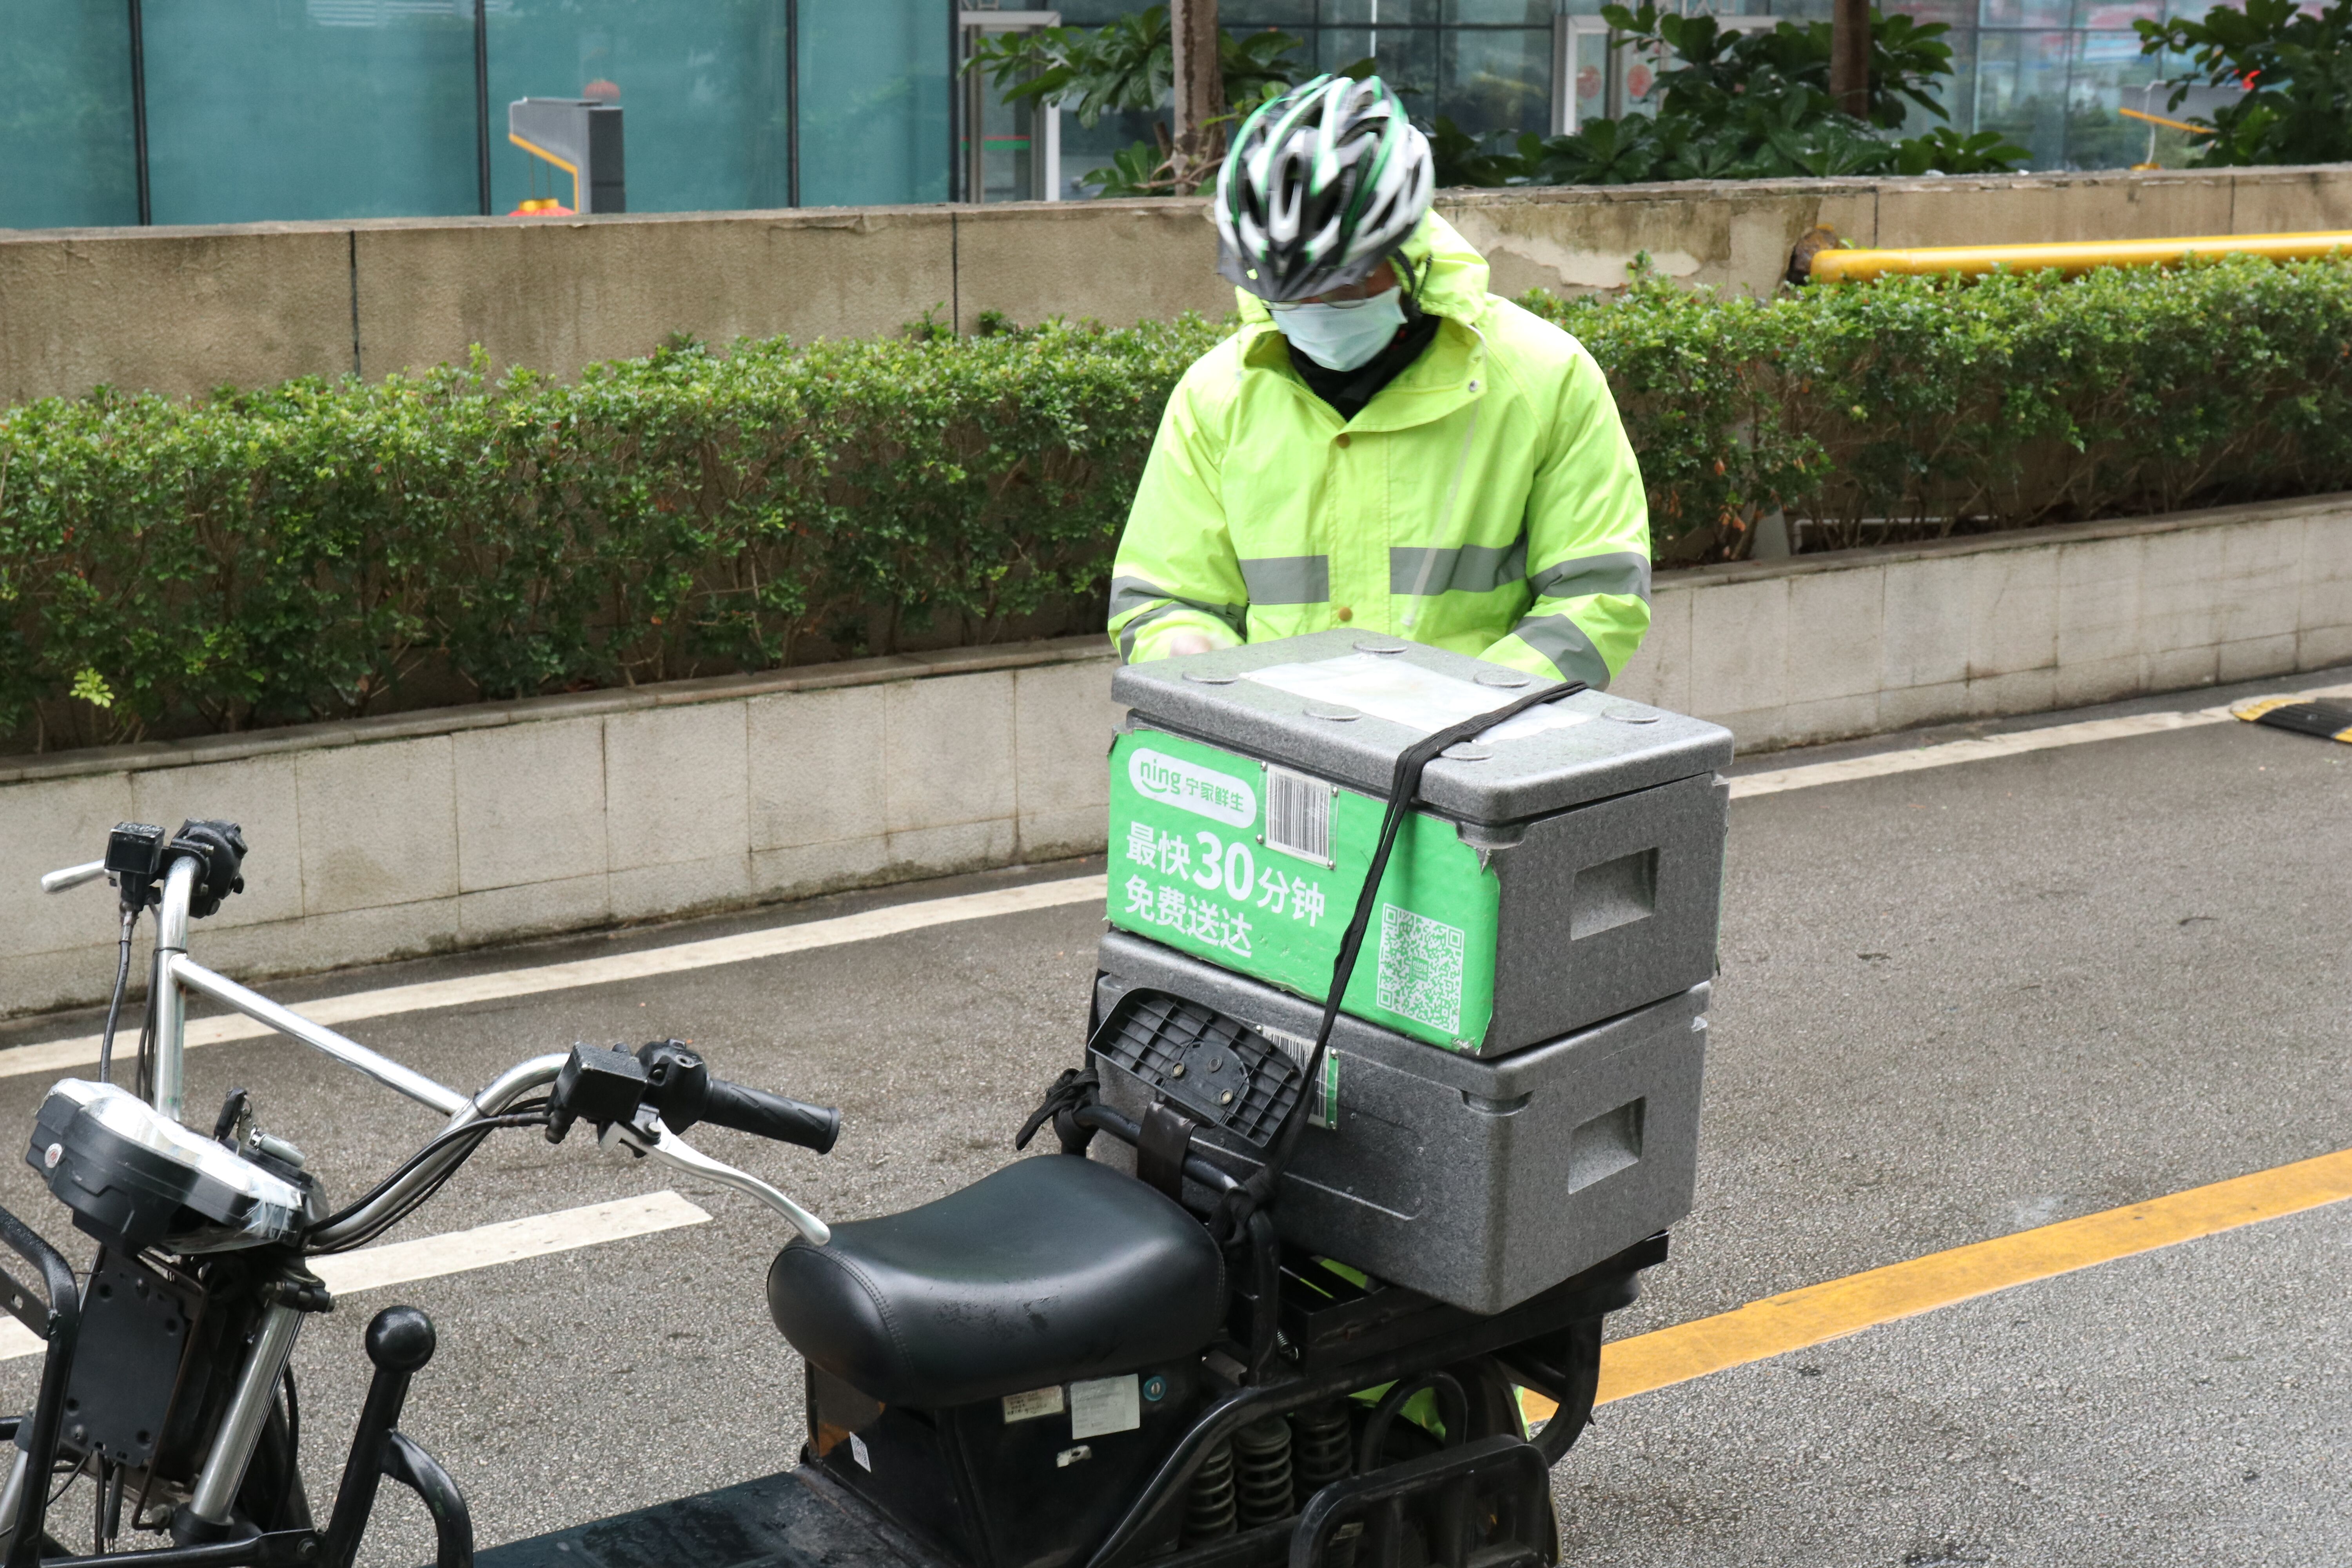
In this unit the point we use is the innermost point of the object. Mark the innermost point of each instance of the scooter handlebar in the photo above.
(680, 1086)
(776, 1116)
(668, 1079)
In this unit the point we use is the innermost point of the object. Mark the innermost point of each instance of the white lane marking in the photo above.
(398, 1262)
(59, 1054)
(484, 1247)
(1951, 753)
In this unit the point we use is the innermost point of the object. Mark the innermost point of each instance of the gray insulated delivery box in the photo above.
(1562, 869)
(1479, 1182)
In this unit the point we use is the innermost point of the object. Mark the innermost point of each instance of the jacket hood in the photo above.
(1455, 285)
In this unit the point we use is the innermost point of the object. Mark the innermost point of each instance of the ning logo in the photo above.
(1204, 791)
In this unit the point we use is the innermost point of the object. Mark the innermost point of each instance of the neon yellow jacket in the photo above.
(1485, 501)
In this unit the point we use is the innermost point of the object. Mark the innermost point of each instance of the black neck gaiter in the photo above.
(1347, 391)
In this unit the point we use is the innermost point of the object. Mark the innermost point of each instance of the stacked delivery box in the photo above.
(1514, 1082)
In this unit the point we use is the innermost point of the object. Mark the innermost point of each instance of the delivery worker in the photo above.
(1383, 445)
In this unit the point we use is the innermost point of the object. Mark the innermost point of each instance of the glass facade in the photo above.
(2050, 73)
(66, 152)
(334, 109)
(873, 115)
(329, 108)
(703, 87)
(2053, 75)
(306, 109)
(1487, 64)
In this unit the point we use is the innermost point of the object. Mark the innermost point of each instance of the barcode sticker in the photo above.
(1322, 1099)
(1299, 815)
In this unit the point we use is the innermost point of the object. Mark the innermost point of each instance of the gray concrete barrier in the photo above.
(1862, 642)
(185, 310)
(426, 832)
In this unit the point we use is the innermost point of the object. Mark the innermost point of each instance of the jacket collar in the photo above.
(1451, 372)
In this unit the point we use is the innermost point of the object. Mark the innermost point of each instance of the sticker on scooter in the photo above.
(1030, 1405)
(1102, 1405)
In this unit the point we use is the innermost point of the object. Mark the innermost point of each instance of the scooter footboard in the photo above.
(1485, 1504)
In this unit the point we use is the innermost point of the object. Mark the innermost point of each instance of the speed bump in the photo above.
(2329, 721)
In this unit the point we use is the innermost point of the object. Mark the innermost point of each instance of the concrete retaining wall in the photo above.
(185, 310)
(1862, 642)
(430, 831)
(435, 831)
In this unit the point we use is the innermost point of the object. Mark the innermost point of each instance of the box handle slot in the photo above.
(1613, 893)
(1605, 1145)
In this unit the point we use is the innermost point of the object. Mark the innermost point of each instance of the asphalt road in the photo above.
(1954, 1003)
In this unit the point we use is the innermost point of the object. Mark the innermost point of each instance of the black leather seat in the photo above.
(1051, 1268)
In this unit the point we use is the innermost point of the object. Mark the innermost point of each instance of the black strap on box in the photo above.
(1404, 789)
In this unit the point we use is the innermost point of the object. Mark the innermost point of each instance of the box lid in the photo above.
(1342, 705)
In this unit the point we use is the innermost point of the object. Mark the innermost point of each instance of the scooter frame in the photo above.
(400, 1340)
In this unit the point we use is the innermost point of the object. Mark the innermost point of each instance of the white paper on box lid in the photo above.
(1406, 694)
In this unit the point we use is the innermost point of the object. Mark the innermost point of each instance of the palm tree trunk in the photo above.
(1199, 86)
(1849, 56)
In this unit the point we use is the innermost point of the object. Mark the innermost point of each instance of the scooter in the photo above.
(1065, 1363)
(165, 1378)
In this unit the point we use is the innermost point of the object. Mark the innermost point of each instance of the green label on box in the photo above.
(1256, 869)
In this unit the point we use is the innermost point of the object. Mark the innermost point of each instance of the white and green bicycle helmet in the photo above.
(1323, 184)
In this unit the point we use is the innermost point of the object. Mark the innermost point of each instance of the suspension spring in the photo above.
(1209, 1512)
(1262, 1458)
(1322, 1447)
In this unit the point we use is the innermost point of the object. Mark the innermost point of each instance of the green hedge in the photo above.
(322, 550)
(1917, 407)
(319, 550)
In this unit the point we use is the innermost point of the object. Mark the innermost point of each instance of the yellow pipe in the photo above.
(2070, 257)
(2168, 124)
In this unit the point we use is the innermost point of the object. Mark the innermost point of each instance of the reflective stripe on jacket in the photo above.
(1485, 501)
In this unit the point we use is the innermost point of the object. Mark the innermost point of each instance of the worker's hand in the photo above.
(1183, 642)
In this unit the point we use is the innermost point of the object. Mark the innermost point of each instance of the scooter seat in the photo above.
(1051, 1268)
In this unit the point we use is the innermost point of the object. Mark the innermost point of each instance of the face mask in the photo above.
(1345, 334)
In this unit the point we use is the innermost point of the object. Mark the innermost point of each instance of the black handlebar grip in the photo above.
(765, 1115)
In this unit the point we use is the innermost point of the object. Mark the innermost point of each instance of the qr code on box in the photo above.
(1420, 968)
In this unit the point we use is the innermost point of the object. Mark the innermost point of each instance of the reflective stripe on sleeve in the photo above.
(1129, 594)
(1563, 642)
(1126, 633)
(1471, 569)
(1620, 572)
(1287, 579)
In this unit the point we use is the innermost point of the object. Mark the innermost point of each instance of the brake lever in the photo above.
(673, 1149)
(73, 877)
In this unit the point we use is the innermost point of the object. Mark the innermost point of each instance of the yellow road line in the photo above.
(1791, 1321)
